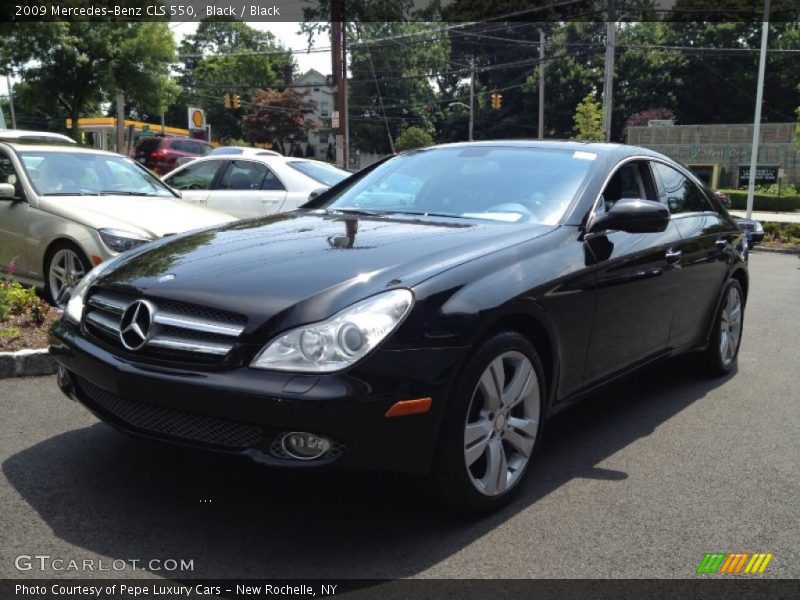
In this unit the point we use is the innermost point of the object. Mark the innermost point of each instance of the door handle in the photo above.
(673, 255)
(722, 243)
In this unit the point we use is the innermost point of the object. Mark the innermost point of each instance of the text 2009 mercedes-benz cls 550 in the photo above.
(426, 315)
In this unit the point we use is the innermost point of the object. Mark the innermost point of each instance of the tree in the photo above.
(310, 151)
(413, 137)
(588, 120)
(78, 65)
(392, 65)
(227, 56)
(279, 118)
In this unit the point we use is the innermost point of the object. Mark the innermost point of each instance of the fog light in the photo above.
(304, 446)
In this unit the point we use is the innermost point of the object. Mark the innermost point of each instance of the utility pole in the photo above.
(608, 84)
(541, 84)
(339, 67)
(120, 123)
(11, 102)
(762, 63)
(471, 97)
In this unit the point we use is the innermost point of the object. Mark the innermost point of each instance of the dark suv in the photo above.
(160, 153)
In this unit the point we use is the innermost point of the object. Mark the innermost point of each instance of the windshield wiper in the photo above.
(124, 193)
(357, 211)
(430, 214)
(68, 194)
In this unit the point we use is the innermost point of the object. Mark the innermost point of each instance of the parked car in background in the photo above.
(428, 315)
(230, 151)
(65, 210)
(753, 229)
(252, 185)
(23, 136)
(724, 199)
(161, 153)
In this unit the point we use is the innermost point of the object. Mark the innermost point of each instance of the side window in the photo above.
(271, 182)
(632, 180)
(8, 174)
(680, 194)
(195, 177)
(243, 175)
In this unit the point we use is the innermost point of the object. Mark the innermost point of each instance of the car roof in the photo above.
(28, 136)
(601, 148)
(243, 151)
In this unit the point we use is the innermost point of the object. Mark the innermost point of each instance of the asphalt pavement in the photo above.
(639, 481)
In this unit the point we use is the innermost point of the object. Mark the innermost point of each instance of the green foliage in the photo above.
(772, 229)
(391, 79)
(70, 68)
(310, 151)
(206, 76)
(588, 120)
(18, 300)
(413, 137)
(9, 334)
(786, 189)
(763, 202)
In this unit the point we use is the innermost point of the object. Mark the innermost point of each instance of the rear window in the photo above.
(319, 171)
(148, 145)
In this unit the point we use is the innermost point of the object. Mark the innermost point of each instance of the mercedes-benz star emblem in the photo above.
(135, 324)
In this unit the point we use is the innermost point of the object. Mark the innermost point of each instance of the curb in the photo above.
(26, 363)
(775, 250)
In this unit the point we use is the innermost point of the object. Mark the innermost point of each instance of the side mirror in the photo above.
(632, 216)
(7, 192)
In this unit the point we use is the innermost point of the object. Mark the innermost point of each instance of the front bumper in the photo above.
(243, 411)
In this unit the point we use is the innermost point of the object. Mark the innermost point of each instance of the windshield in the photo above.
(319, 171)
(511, 184)
(86, 174)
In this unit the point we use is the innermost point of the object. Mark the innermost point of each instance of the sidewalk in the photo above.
(775, 217)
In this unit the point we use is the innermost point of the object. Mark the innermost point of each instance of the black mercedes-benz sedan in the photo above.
(426, 315)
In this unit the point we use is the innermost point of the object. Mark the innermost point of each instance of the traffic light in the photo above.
(236, 101)
(226, 100)
(497, 100)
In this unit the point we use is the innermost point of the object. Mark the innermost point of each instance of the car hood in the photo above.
(307, 264)
(154, 217)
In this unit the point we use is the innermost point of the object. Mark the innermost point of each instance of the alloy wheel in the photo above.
(730, 324)
(502, 424)
(66, 270)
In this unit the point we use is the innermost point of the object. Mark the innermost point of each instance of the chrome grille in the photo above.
(180, 331)
(148, 418)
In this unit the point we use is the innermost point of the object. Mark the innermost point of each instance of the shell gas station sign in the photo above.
(197, 118)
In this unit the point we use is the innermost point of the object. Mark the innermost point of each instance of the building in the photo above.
(720, 154)
(100, 132)
(321, 92)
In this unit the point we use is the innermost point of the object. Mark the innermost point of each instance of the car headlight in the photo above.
(759, 227)
(340, 341)
(119, 240)
(74, 309)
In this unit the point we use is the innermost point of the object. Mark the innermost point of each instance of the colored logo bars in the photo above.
(734, 563)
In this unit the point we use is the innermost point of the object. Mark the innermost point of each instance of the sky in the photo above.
(287, 34)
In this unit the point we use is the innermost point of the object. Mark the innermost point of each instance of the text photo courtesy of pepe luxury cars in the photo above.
(379, 292)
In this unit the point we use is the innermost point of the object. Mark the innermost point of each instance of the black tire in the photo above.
(451, 480)
(714, 362)
(48, 259)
